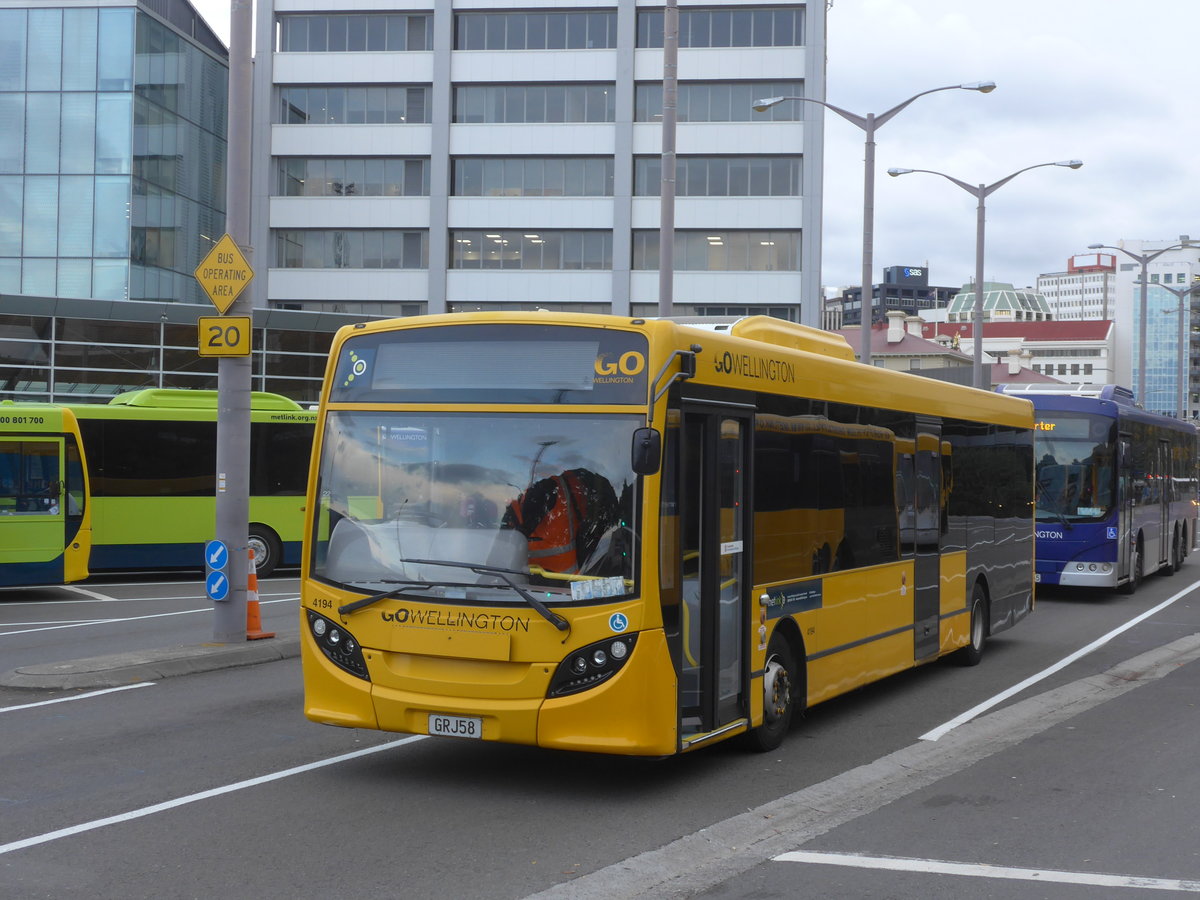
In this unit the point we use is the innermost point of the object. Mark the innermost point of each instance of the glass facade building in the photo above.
(112, 150)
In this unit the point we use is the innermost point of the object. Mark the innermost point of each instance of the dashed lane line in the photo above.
(977, 870)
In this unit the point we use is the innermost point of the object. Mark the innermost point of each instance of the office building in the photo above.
(904, 289)
(450, 156)
(1086, 290)
(112, 189)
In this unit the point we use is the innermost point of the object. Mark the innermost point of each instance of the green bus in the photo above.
(151, 465)
(45, 519)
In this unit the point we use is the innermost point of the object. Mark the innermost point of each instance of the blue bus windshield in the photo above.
(1076, 478)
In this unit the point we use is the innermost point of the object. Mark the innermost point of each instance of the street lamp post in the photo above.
(980, 193)
(869, 123)
(1144, 260)
(1180, 294)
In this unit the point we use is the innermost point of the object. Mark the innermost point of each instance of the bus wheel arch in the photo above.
(978, 628)
(1138, 567)
(268, 549)
(784, 687)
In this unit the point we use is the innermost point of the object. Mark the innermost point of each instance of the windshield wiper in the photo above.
(1052, 508)
(549, 615)
(375, 598)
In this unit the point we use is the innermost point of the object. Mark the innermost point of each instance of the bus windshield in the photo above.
(477, 506)
(1075, 473)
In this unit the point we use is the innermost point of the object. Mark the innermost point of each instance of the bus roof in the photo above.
(174, 398)
(819, 365)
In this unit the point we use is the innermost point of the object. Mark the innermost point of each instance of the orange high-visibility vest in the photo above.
(552, 541)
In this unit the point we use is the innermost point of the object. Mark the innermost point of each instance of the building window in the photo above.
(535, 31)
(535, 103)
(530, 249)
(721, 176)
(723, 251)
(1087, 368)
(515, 176)
(351, 249)
(353, 177)
(731, 101)
(346, 33)
(726, 28)
(344, 105)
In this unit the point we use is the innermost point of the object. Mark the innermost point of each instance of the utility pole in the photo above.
(233, 372)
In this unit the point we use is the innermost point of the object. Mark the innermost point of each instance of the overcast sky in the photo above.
(1110, 82)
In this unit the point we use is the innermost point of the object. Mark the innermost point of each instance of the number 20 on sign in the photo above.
(224, 335)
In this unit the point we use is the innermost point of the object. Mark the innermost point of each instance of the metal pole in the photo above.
(868, 245)
(233, 373)
(1181, 408)
(666, 227)
(977, 317)
(1141, 392)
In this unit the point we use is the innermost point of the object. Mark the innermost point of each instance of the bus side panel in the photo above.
(14, 574)
(840, 656)
(955, 623)
(641, 697)
(331, 696)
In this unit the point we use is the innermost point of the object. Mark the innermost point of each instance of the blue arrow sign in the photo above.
(216, 555)
(216, 585)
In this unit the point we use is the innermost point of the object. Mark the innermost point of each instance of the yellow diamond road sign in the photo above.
(223, 273)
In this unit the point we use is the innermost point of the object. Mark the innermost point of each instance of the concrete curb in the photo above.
(120, 669)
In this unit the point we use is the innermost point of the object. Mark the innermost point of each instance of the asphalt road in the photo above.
(212, 784)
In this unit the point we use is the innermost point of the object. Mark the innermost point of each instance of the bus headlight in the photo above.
(338, 645)
(591, 665)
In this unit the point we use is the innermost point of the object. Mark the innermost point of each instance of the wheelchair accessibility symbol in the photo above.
(618, 622)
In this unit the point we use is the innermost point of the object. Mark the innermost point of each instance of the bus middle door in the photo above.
(926, 540)
(715, 525)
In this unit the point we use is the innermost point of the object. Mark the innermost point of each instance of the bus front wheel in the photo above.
(780, 691)
(1138, 570)
(268, 551)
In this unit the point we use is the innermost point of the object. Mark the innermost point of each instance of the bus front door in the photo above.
(715, 522)
(33, 522)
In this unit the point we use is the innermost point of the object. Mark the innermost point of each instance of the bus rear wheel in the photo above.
(780, 691)
(268, 551)
(971, 654)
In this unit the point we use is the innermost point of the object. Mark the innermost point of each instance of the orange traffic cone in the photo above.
(254, 630)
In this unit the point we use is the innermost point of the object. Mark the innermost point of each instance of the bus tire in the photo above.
(972, 653)
(1177, 551)
(268, 550)
(781, 687)
(1135, 577)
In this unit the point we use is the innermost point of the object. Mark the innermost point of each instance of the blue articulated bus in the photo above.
(1116, 487)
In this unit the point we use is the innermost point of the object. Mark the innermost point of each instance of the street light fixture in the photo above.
(869, 123)
(980, 193)
(1180, 293)
(1143, 259)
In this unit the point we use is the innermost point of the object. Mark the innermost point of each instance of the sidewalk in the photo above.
(120, 669)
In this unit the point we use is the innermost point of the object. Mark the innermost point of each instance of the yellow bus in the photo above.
(642, 536)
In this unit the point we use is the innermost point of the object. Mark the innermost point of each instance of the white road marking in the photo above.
(941, 867)
(44, 626)
(974, 711)
(202, 795)
(100, 598)
(126, 687)
(93, 594)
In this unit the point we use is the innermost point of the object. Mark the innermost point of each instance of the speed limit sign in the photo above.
(223, 335)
